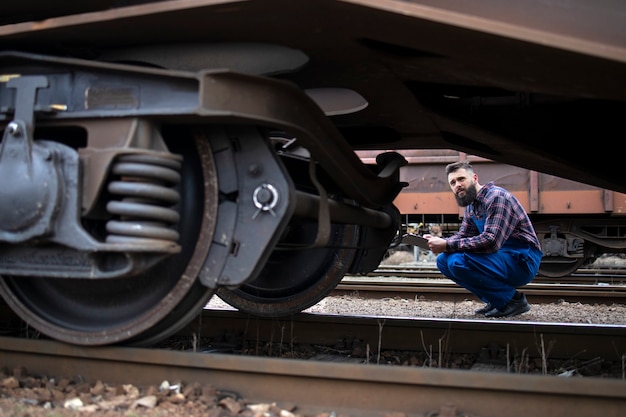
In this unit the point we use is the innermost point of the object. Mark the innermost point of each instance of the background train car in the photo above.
(575, 222)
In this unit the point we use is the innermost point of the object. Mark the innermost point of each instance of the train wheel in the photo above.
(294, 280)
(560, 266)
(142, 309)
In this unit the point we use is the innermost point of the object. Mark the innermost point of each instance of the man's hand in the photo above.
(436, 244)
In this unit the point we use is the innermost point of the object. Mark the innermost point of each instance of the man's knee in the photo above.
(450, 264)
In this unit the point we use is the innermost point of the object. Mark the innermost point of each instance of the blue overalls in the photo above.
(492, 277)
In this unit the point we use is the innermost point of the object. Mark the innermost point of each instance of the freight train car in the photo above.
(157, 153)
(575, 222)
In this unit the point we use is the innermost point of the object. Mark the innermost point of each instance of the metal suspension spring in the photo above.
(144, 214)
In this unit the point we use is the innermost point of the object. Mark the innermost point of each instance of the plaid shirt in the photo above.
(505, 218)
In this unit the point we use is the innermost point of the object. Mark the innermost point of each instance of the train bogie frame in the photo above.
(136, 222)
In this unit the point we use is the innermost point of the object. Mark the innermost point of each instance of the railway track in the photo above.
(582, 276)
(587, 286)
(357, 386)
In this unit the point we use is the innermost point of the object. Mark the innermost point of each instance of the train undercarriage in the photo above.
(113, 203)
(571, 243)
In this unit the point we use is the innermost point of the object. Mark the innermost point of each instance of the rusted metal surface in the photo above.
(561, 201)
(428, 193)
(590, 30)
(354, 389)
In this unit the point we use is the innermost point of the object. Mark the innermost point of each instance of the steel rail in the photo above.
(431, 266)
(569, 340)
(349, 388)
(431, 271)
(444, 289)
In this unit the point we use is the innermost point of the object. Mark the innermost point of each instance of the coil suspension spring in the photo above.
(144, 214)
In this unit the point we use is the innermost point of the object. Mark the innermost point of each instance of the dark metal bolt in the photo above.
(254, 170)
(264, 196)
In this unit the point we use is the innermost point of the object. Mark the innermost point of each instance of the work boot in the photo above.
(516, 306)
(486, 308)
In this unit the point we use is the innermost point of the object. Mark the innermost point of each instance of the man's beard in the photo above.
(468, 198)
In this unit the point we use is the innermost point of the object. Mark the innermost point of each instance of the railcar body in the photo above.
(575, 222)
(156, 153)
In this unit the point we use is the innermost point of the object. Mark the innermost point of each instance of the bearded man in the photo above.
(496, 250)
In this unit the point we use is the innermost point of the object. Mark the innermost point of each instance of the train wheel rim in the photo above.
(559, 269)
(294, 280)
(141, 309)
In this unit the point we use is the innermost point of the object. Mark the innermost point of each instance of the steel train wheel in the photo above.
(294, 280)
(560, 267)
(142, 309)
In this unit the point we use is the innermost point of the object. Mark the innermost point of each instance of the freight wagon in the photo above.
(575, 222)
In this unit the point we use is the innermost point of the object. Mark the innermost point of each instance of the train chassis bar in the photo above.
(47, 187)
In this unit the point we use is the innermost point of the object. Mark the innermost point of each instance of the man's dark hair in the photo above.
(455, 166)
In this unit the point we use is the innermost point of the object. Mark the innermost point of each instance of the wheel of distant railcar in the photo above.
(556, 267)
(296, 279)
(139, 309)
